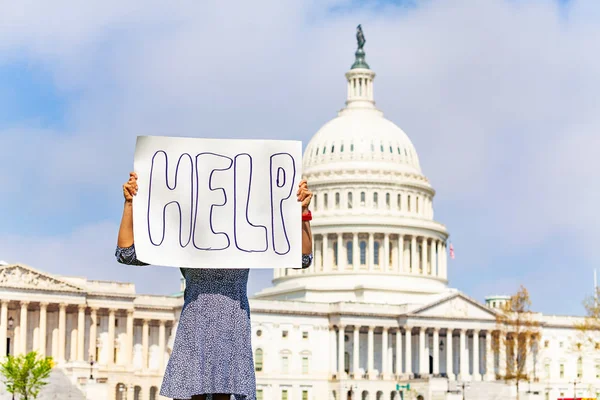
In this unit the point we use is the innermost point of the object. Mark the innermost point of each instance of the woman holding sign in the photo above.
(212, 354)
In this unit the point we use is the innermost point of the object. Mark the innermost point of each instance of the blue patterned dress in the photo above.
(212, 352)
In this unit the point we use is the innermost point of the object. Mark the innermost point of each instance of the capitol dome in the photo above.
(374, 235)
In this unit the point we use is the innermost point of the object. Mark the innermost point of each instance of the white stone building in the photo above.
(373, 310)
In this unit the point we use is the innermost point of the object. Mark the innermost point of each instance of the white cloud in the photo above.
(499, 97)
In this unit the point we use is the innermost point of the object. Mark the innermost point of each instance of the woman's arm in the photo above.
(125, 252)
(304, 196)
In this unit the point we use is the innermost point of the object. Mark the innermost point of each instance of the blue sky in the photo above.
(499, 98)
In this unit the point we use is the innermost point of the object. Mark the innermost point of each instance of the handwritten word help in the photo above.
(219, 202)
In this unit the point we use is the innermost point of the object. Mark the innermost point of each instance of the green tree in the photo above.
(25, 375)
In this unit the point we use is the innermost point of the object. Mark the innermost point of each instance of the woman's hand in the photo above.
(304, 195)
(130, 188)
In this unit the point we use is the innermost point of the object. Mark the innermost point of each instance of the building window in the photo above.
(324, 148)
(391, 151)
(259, 333)
(259, 394)
(363, 252)
(342, 148)
(408, 200)
(375, 199)
(258, 360)
(362, 199)
(305, 395)
(579, 367)
(597, 371)
(337, 200)
(284, 395)
(387, 200)
(349, 252)
(325, 201)
(153, 392)
(285, 364)
(305, 365)
(347, 362)
(417, 205)
(562, 371)
(304, 335)
(284, 334)
(560, 344)
(381, 147)
(376, 253)
(350, 200)
(399, 202)
(351, 147)
(390, 257)
(335, 253)
(546, 343)
(332, 148)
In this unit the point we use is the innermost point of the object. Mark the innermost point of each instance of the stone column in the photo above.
(489, 357)
(80, 332)
(3, 326)
(433, 261)
(93, 333)
(386, 252)
(111, 336)
(370, 352)
(371, 252)
(502, 353)
(145, 339)
(340, 245)
(62, 331)
(398, 352)
(341, 343)
(129, 346)
(463, 360)
(333, 351)
(23, 325)
(42, 329)
(449, 355)
(355, 252)
(408, 350)
(401, 267)
(476, 363)
(436, 351)
(384, 352)
(423, 370)
(326, 263)
(413, 255)
(529, 356)
(424, 256)
(161, 345)
(356, 352)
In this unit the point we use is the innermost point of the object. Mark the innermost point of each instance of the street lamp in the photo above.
(91, 367)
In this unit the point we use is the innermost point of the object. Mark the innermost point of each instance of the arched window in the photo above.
(258, 360)
(399, 202)
(342, 148)
(120, 391)
(153, 392)
(363, 199)
(324, 201)
(324, 148)
(363, 252)
(376, 253)
(332, 148)
(390, 257)
(349, 199)
(335, 253)
(315, 202)
(408, 199)
(375, 199)
(347, 362)
(337, 200)
(351, 147)
(137, 393)
(387, 200)
(417, 205)
(349, 252)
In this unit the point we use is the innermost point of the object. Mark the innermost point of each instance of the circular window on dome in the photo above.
(259, 333)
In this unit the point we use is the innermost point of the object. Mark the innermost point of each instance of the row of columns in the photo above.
(93, 334)
(404, 348)
(432, 260)
(404, 202)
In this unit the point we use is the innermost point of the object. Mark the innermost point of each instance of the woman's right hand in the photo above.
(130, 188)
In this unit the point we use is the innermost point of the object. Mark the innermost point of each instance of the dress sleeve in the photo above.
(306, 261)
(126, 255)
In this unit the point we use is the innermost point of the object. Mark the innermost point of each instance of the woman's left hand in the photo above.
(304, 195)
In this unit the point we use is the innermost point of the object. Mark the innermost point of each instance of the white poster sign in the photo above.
(213, 203)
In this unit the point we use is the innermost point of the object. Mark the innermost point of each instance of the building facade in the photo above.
(373, 311)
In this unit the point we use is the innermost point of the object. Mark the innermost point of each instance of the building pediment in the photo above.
(456, 306)
(24, 277)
